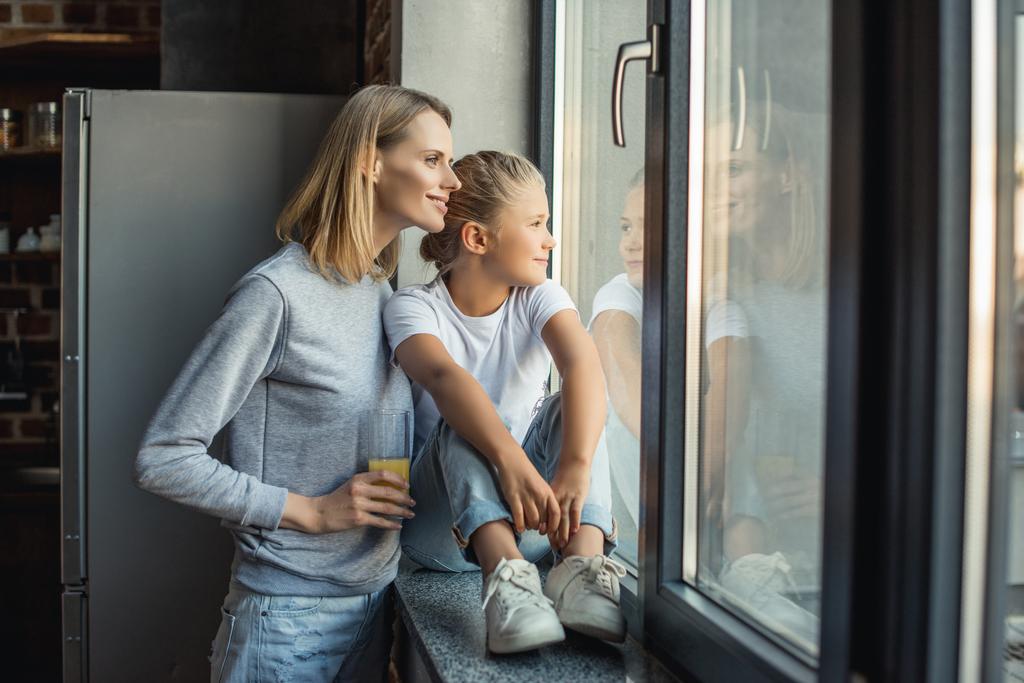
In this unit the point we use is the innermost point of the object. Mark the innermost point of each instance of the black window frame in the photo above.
(896, 357)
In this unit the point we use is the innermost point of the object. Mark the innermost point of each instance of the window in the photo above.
(598, 199)
(805, 304)
(1013, 651)
(757, 315)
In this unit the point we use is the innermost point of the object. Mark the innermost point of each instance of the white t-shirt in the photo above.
(787, 393)
(503, 351)
(618, 295)
(725, 317)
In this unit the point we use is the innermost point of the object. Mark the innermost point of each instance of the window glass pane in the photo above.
(1014, 650)
(602, 226)
(764, 286)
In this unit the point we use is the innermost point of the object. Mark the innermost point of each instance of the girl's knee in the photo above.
(743, 536)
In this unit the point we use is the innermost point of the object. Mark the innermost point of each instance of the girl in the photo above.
(494, 457)
(295, 358)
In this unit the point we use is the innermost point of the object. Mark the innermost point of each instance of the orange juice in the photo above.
(399, 466)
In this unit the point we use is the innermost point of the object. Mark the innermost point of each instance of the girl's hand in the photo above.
(360, 501)
(570, 486)
(529, 498)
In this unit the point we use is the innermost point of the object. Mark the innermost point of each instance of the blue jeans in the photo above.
(457, 491)
(302, 639)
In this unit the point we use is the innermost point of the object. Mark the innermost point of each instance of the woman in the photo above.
(768, 246)
(290, 366)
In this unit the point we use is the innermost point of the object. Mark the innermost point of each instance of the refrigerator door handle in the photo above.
(74, 188)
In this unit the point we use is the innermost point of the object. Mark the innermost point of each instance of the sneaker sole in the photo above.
(613, 631)
(526, 641)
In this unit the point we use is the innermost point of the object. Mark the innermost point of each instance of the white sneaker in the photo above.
(519, 617)
(585, 591)
(759, 582)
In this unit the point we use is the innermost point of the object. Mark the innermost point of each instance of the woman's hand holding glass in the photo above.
(364, 500)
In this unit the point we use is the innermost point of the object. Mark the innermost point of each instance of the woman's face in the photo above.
(414, 178)
(631, 244)
(523, 244)
(743, 186)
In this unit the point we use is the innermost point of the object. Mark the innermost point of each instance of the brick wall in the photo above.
(29, 428)
(377, 42)
(87, 16)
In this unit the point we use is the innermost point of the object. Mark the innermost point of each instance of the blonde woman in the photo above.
(294, 359)
(769, 251)
(764, 404)
(495, 457)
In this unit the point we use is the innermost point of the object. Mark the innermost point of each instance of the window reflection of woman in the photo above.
(765, 253)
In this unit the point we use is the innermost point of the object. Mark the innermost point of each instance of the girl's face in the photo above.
(631, 244)
(414, 178)
(522, 245)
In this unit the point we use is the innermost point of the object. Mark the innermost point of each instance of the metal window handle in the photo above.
(644, 49)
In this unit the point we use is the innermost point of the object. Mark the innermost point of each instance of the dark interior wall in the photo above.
(310, 46)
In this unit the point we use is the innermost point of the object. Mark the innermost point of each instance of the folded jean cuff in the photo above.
(472, 518)
(601, 517)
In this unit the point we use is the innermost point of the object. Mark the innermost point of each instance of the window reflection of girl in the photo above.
(615, 325)
(764, 239)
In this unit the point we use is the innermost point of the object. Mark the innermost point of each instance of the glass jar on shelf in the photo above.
(10, 129)
(44, 125)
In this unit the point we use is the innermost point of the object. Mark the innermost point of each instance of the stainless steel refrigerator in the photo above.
(168, 197)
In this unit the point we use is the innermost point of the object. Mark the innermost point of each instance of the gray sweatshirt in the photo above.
(291, 366)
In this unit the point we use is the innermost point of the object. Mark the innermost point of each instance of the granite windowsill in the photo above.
(443, 635)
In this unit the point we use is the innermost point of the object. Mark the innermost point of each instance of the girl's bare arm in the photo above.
(617, 337)
(468, 409)
(583, 388)
(583, 412)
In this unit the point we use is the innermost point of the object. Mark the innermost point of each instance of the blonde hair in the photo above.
(491, 182)
(803, 266)
(783, 149)
(331, 211)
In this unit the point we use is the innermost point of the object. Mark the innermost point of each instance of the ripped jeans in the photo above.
(302, 639)
(457, 491)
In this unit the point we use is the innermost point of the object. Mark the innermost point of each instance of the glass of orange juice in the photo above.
(390, 441)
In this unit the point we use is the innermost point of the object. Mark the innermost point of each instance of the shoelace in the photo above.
(599, 570)
(523, 596)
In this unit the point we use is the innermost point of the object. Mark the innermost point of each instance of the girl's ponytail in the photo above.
(491, 182)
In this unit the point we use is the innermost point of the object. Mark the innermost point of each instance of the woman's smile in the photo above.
(439, 202)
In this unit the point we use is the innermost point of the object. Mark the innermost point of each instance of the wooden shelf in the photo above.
(31, 256)
(30, 154)
(45, 46)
